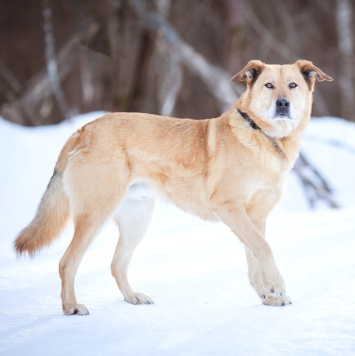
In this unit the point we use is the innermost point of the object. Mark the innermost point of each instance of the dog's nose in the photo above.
(282, 103)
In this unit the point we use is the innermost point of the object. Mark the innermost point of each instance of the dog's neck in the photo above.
(255, 126)
(249, 120)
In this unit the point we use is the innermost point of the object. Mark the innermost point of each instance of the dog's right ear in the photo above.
(250, 72)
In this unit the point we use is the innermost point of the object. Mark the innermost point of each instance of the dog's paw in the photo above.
(138, 298)
(275, 300)
(79, 309)
(274, 283)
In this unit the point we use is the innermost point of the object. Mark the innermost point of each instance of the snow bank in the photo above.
(195, 271)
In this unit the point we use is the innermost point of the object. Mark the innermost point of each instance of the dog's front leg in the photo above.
(273, 291)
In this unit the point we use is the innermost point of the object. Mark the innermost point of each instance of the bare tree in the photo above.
(282, 49)
(23, 109)
(52, 66)
(345, 42)
(169, 71)
(215, 78)
(123, 68)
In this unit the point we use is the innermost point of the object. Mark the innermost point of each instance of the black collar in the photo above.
(247, 118)
(273, 141)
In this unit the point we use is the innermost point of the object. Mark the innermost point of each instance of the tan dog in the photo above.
(231, 168)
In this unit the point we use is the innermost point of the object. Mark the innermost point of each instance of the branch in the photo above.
(52, 66)
(215, 78)
(11, 80)
(332, 142)
(24, 109)
(170, 74)
(314, 184)
(265, 34)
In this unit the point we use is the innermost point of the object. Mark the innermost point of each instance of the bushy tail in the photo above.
(52, 213)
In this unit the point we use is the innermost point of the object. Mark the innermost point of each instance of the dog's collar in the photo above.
(248, 119)
(252, 123)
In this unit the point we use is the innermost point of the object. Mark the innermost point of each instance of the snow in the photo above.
(194, 270)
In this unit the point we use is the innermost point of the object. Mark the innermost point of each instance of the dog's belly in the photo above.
(144, 192)
(141, 191)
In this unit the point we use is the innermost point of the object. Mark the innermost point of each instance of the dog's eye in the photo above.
(269, 86)
(293, 86)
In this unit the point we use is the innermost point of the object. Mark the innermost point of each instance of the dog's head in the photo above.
(279, 95)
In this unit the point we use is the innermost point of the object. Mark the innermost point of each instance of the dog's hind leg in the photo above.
(86, 228)
(133, 218)
(93, 199)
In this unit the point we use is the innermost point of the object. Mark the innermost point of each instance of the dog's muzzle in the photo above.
(282, 107)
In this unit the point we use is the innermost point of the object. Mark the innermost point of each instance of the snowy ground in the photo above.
(195, 271)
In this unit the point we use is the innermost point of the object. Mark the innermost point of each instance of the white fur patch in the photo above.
(140, 191)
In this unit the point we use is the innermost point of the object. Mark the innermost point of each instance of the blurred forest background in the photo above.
(173, 57)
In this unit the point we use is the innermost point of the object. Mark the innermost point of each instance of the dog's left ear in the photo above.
(250, 72)
(311, 72)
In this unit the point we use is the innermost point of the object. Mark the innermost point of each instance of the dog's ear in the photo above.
(250, 72)
(311, 72)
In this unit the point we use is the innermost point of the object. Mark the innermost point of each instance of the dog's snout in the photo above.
(282, 107)
(283, 103)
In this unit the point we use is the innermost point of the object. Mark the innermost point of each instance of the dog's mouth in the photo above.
(282, 116)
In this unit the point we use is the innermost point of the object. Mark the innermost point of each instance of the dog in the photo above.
(231, 169)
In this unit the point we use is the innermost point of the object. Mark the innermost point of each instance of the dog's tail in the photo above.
(52, 213)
